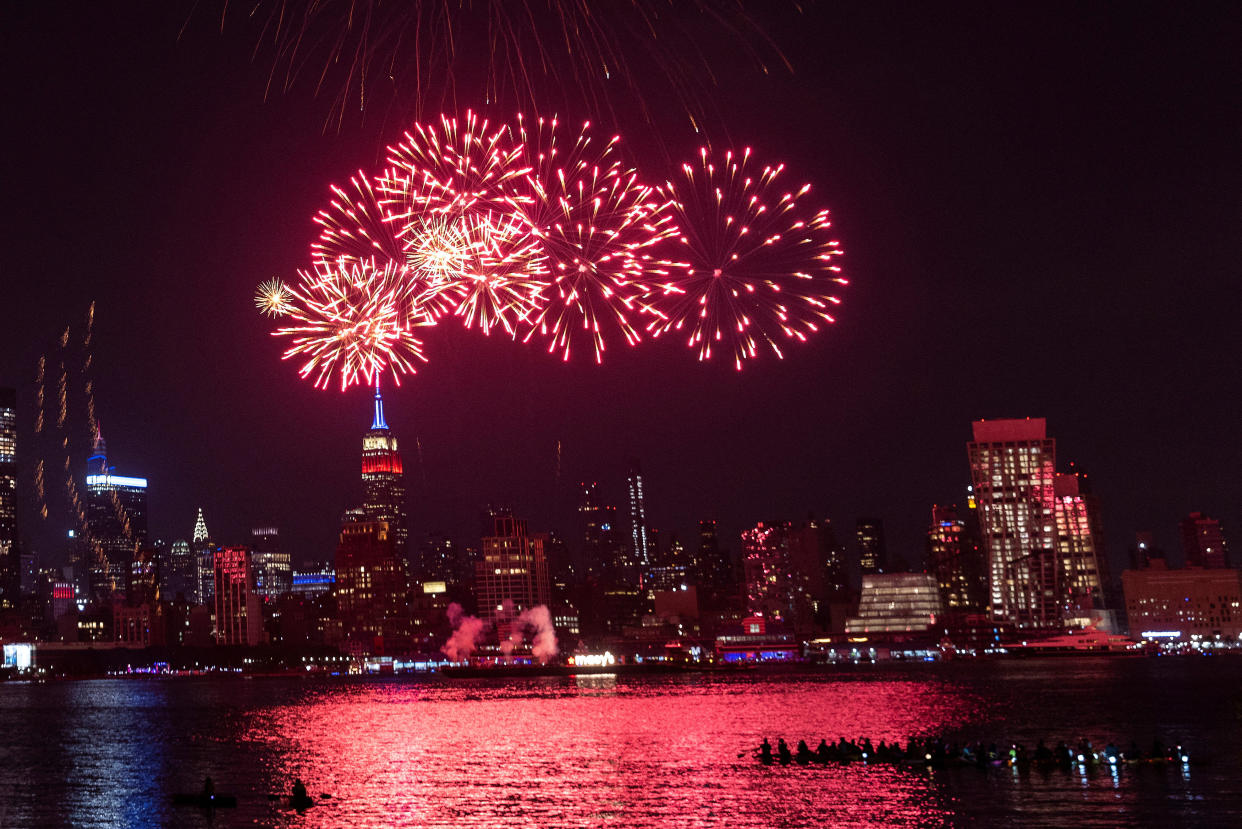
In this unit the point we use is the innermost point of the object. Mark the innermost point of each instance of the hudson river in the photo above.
(626, 752)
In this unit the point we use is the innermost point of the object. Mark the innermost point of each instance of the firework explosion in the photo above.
(596, 224)
(353, 321)
(533, 233)
(754, 267)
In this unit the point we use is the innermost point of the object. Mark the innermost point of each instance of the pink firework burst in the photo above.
(596, 223)
(459, 165)
(351, 320)
(753, 266)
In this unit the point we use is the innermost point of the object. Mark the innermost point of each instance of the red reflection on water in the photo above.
(595, 751)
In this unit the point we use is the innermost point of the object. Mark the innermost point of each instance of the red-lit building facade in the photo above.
(239, 619)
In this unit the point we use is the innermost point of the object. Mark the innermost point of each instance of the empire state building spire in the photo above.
(383, 479)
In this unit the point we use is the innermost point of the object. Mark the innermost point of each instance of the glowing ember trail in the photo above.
(353, 321)
(596, 223)
(753, 265)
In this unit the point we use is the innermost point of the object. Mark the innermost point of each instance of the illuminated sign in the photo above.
(434, 587)
(115, 480)
(19, 656)
(1161, 634)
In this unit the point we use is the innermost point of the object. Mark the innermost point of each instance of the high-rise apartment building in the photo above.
(954, 560)
(872, 550)
(639, 553)
(1079, 550)
(513, 569)
(116, 522)
(1203, 541)
(1013, 476)
(773, 585)
(10, 553)
(239, 621)
(372, 591)
(383, 479)
(273, 567)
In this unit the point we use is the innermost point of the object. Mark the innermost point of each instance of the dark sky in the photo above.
(1041, 207)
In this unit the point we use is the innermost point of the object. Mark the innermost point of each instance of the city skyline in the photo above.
(954, 211)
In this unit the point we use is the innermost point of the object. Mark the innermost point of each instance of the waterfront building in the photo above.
(383, 479)
(273, 567)
(955, 560)
(513, 573)
(1080, 551)
(897, 603)
(116, 522)
(239, 619)
(1190, 602)
(372, 591)
(1012, 466)
(639, 553)
(1203, 541)
(10, 553)
(778, 588)
(204, 552)
(872, 551)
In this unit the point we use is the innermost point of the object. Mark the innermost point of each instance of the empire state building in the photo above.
(383, 482)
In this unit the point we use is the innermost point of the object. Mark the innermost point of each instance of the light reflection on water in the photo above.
(603, 751)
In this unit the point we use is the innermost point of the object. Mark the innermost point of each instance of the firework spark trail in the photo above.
(596, 223)
(352, 321)
(753, 263)
(459, 165)
(502, 281)
(358, 226)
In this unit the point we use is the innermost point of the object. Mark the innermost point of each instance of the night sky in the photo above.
(1041, 208)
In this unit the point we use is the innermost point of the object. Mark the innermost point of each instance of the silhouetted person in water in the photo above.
(300, 799)
(782, 750)
(765, 751)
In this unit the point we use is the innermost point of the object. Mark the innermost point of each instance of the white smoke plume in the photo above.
(466, 632)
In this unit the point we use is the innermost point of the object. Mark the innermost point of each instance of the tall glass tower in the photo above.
(10, 556)
(116, 522)
(383, 481)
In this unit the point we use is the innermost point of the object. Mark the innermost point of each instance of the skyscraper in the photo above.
(10, 554)
(872, 551)
(768, 571)
(513, 569)
(181, 577)
(955, 560)
(639, 555)
(1079, 549)
(204, 552)
(239, 621)
(116, 522)
(383, 481)
(372, 591)
(1012, 468)
(602, 552)
(1203, 542)
(273, 567)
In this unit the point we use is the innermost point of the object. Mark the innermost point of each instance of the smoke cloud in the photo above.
(534, 622)
(466, 632)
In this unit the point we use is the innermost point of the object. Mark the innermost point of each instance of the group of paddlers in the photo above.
(933, 751)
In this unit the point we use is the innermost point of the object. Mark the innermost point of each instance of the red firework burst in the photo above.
(754, 266)
(352, 321)
(596, 223)
(459, 165)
